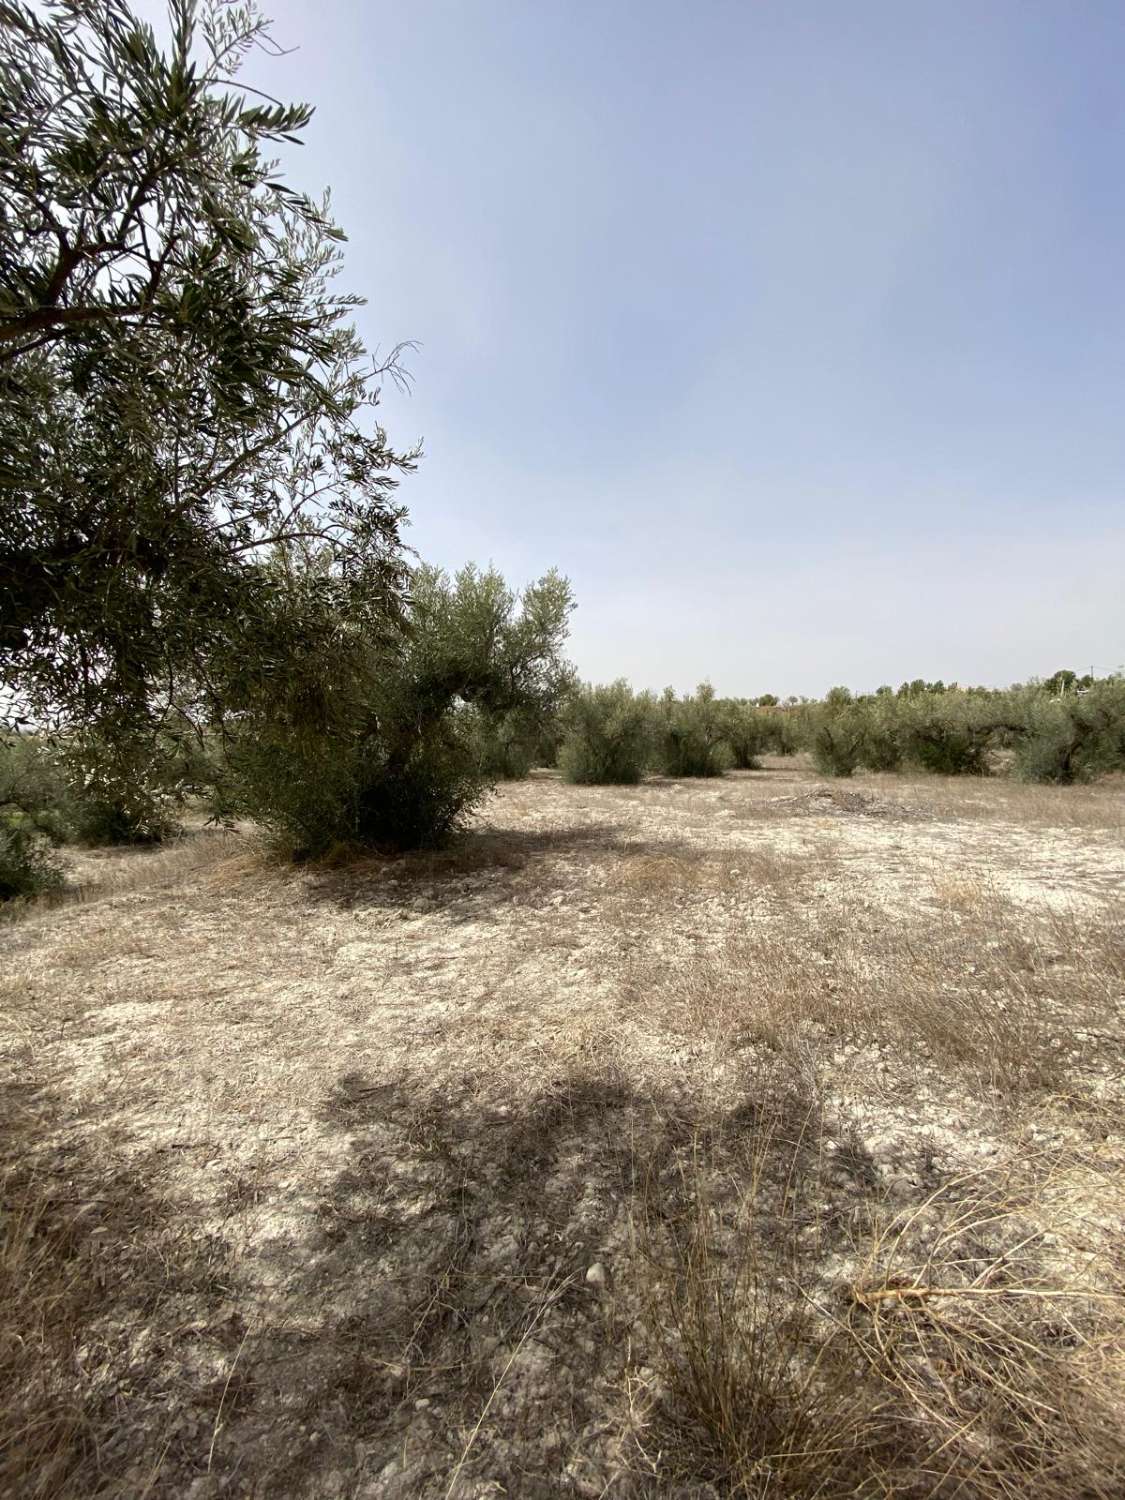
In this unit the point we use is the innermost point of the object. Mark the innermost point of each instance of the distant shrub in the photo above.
(947, 750)
(98, 788)
(1076, 737)
(27, 864)
(123, 790)
(1047, 750)
(836, 743)
(882, 747)
(128, 817)
(783, 730)
(509, 743)
(33, 782)
(504, 747)
(1100, 711)
(690, 737)
(607, 735)
(947, 733)
(746, 730)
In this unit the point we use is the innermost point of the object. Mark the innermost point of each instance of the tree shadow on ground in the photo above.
(116, 1326)
(423, 1326)
(461, 1307)
(477, 869)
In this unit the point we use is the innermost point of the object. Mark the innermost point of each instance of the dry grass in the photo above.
(1018, 1003)
(69, 1252)
(305, 1170)
(100, 875)
(804, 1343)
(1098, 807)
(759, 1390)
(999, 1330)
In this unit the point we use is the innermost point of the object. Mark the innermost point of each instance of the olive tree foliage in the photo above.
(608, 735)
(691, 737)
(181, 388)
(365, 737)
(836, 739)
(1075, 736)
(746, 730)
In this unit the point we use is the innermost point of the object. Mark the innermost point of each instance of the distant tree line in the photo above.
(1062, 729)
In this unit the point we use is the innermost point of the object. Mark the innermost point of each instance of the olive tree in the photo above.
(181, 388)
(346, 734)
(691, 737)
(608, 734)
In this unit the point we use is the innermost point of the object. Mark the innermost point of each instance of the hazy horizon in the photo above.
(792, 335)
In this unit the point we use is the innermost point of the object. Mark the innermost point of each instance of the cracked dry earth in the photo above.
(364, 1173)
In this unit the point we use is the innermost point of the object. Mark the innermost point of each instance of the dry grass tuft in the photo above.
(1098, 807)
(105, 874)
(972, 1344)
(1001, 1331)
(60, 1260)
(759, 1389)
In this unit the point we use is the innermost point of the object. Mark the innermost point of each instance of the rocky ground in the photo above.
(756, 1136)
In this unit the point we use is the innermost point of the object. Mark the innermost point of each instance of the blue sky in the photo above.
(792, 332)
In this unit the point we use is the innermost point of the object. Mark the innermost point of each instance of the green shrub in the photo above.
(503, 749)
(316, 792)
(33, 782)
(1074, 737)
(947, 751)
(1047, 750)
(746, 730)
(881, 749)
(27, 864)
(130, 816)
(1100, 713)
(95, 787)
(374, 740)
(607, 736)
(947, 733)
(509, 744)
(690, 739)
(124, 790)
(784, 730)
(837, 741)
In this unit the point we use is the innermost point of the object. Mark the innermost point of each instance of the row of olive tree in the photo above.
(1036, 731)
(1040, 733)
(611, 734)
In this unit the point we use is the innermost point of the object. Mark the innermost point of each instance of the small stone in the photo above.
(597, 1276)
